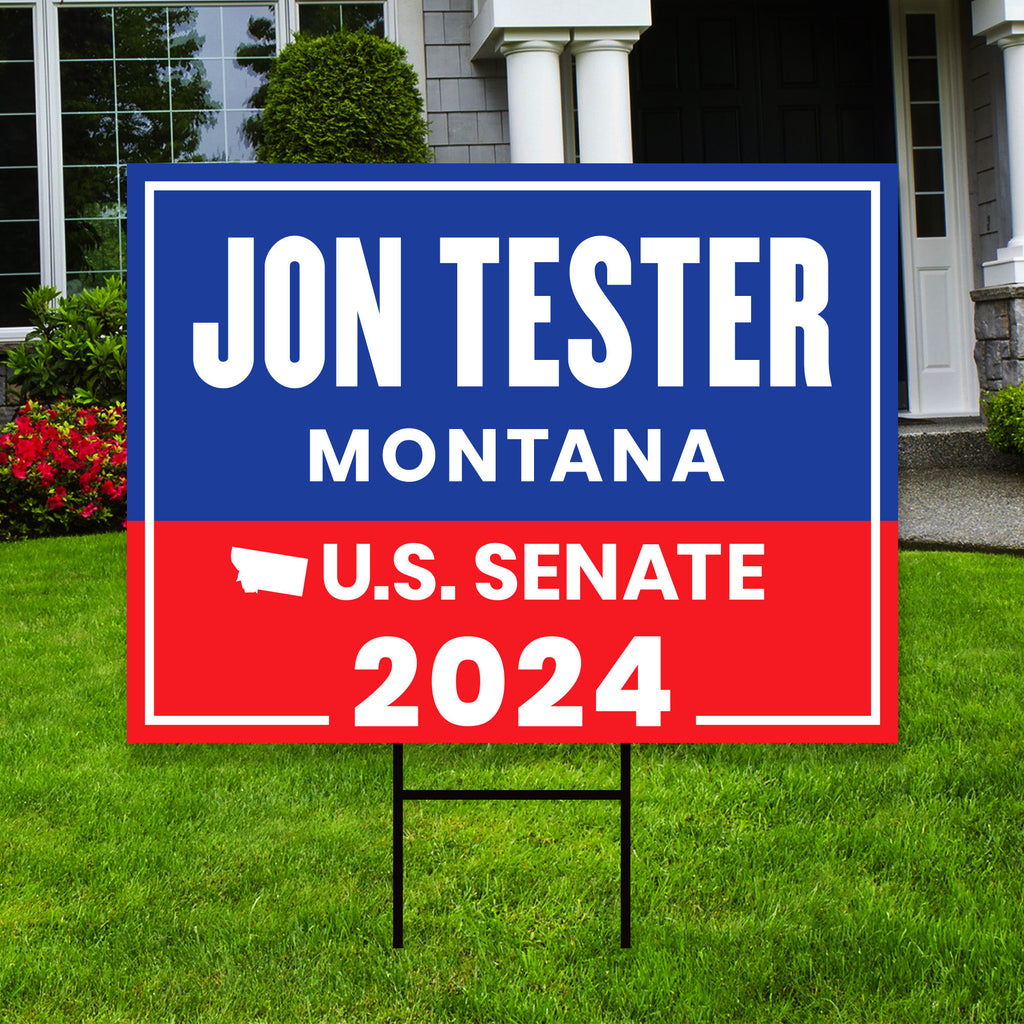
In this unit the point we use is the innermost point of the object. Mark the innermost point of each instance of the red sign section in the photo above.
(531, 632)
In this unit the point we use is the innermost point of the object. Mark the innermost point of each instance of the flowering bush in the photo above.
(63, 470)
(78, 348)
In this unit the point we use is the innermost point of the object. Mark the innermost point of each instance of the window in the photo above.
(19, 171)
(925, 126)
(109, 82)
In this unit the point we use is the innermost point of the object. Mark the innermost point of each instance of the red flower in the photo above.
(57, 459)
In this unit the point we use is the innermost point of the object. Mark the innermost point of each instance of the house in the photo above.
(936, 85)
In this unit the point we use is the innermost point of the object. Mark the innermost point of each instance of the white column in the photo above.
(1013, 68)
(534, 100)
(602, 98)
(531, 34)
(1002, 22)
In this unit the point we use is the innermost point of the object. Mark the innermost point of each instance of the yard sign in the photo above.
(516, 454)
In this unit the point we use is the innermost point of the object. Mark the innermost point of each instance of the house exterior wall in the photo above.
(467, 105)
(466, 101)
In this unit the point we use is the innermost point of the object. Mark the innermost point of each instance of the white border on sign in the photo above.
(873, 188)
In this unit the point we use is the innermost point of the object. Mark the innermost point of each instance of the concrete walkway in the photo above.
(955, 492)
(968, 509)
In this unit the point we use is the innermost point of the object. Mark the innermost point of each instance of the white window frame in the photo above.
(403, 22)
(51, 268)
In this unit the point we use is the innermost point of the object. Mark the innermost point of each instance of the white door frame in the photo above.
(937, 272)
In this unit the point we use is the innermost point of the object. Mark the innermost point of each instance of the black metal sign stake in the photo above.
(400, 794)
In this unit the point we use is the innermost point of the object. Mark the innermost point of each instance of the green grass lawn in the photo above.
(253, 883)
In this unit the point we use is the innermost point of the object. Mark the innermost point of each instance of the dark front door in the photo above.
(766, 81)
(738, 81)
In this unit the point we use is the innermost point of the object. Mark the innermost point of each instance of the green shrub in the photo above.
(344, 98)
(77, 349)
(63, 470)
(1005, 413)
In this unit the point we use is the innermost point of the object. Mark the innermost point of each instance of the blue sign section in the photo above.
(539, 343)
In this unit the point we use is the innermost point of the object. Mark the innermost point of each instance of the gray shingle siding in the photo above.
(987, 156)
(467, 103)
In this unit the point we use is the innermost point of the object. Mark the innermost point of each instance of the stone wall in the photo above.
(467, 102)
(999, 334)
(6, 411)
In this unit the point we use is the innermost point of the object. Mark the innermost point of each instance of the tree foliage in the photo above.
(348, 97)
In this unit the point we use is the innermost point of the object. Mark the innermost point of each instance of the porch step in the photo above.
(949, 443)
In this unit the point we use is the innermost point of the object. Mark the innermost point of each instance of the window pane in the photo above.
(194, 32)
(197, 84)
(927, 170)
(924, 79)
(925, 126)
(19, 194)
(87, 85)
(921, 35)
(17, 87)
(319, 19)
(89, 139)
(198, 136)
(142, 84)
(86, 33)
(18, 140)
(20, 251)
(95, 245)
(144, 138)
(16, 35)
(368, 17)
(931, 216)
(247, 26)
(90, 191)
(140, 32)
(12, 295)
